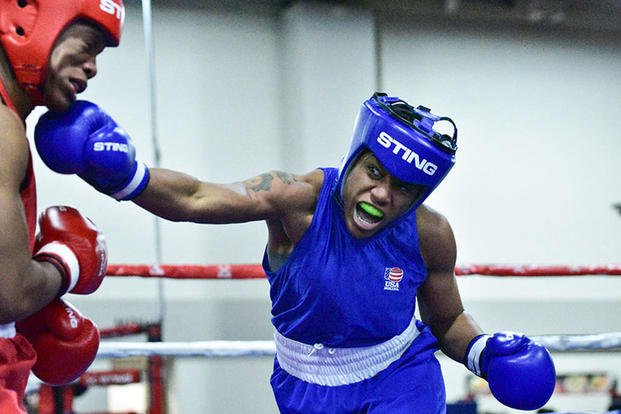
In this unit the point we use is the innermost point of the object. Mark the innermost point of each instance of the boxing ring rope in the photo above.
(255, 271)
(610, 342)
(555, 343)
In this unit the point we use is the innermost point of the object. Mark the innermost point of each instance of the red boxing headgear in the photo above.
(29, 28)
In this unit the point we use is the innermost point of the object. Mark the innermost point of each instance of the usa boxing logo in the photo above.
(392, 278)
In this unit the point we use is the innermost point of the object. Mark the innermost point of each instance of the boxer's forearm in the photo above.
(177, 196)
(455, 340)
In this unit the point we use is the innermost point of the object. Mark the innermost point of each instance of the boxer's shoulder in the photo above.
(436, 238)
(13, 145)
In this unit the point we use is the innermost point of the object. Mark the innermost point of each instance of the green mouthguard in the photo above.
(370, 210)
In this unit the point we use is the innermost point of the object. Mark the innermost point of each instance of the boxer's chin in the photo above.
(58, 98)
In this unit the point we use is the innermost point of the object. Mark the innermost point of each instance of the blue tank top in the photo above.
(341, 291)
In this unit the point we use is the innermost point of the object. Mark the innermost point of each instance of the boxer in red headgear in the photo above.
(47, 56)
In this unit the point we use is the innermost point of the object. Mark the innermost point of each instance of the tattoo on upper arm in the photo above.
(262, 182)
(286, 178)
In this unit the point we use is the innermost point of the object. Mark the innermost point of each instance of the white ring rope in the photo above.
(554, 343)
(187, 349)
(592, 343)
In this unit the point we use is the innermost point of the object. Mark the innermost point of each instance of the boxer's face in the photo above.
(72, 63)
(372, 198)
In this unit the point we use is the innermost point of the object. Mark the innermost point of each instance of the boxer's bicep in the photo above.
(278, 194)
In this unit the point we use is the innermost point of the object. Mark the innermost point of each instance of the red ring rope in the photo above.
(255, 271)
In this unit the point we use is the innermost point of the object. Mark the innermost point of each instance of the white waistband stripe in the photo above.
(340, 366)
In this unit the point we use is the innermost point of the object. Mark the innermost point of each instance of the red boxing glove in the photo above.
(73, 244)
(66, 342)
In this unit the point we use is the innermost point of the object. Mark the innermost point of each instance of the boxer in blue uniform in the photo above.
(350, 252)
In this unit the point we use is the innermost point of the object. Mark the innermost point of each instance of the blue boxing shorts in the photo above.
(412, 383)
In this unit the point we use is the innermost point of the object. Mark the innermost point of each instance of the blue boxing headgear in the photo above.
(402, 138)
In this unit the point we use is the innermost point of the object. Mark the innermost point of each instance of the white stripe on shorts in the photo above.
(340, 366)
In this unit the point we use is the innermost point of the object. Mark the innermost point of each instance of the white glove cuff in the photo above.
(67, 257)
(136, 183)
(473, 358)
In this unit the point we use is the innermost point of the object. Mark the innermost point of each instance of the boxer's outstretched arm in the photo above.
(180, 197)
(86, 141)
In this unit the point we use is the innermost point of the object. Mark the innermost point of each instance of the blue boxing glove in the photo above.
(85, 140)
(520, 372)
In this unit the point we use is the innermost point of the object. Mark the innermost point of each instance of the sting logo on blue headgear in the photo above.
(403, 139)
